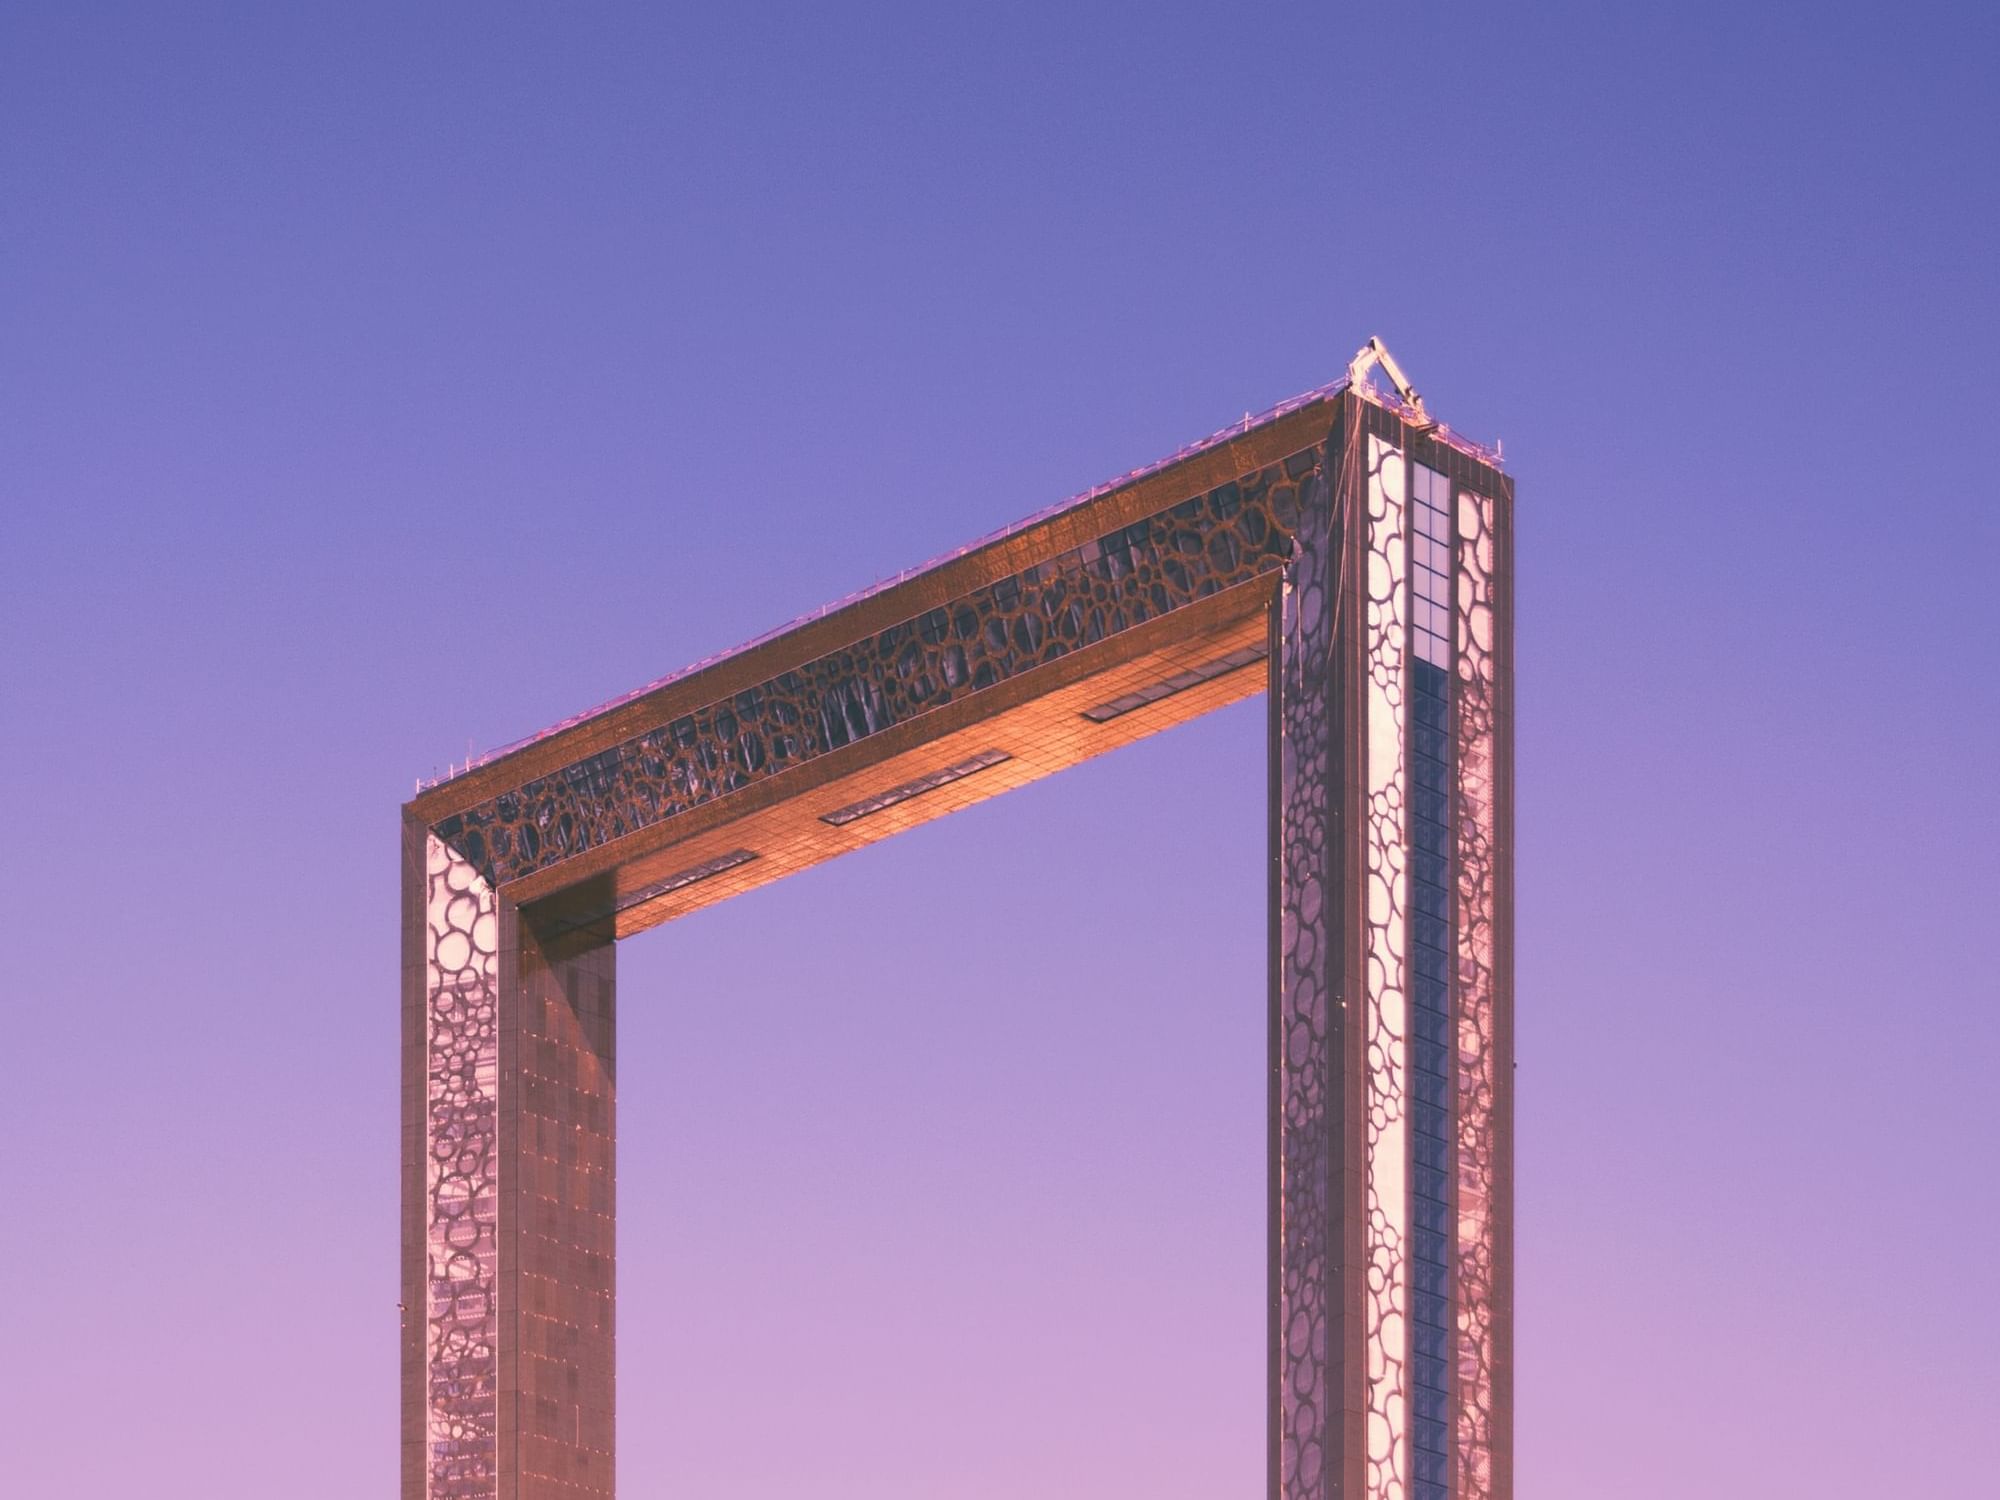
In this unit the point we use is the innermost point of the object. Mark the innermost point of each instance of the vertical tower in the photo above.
(509, 1193)
(1391, 1032)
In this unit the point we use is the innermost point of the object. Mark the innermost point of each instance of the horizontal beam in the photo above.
(1121, 594)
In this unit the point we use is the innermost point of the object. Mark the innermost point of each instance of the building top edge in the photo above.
(1249, 423)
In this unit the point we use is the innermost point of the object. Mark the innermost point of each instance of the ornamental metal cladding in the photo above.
(461, 1116)
(1305, 1016)
(1108, 585)
(1480, 1206)
(1385, 1005)
(1348, 542)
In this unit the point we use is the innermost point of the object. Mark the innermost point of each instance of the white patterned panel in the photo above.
(462, 1186)
(1475, 861)
(1385, 1331)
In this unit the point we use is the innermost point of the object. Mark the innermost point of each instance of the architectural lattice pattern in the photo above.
(461, 1119)
(1307, 1118)
(1385, 1333)
(1477, 845)
(1167, 561)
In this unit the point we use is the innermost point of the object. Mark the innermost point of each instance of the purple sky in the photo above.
(390, 383)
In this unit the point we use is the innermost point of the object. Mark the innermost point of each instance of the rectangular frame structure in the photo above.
(1359, 550)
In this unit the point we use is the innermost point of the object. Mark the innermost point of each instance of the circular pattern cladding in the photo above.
(461, 1209)
(1188, 552)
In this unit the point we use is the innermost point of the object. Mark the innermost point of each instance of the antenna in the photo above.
(1375, 354)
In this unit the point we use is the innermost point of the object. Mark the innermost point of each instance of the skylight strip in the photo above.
(693, 875)
(881, 801)
(1180, 682)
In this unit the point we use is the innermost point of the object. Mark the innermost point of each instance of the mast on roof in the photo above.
(1375, 354)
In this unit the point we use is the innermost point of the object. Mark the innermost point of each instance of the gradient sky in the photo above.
(382, 382)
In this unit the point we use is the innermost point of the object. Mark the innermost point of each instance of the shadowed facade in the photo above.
(1343, 551)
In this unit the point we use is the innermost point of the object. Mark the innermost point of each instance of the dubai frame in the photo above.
(1344, 550)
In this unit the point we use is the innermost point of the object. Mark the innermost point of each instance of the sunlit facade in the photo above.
(1344, 552)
